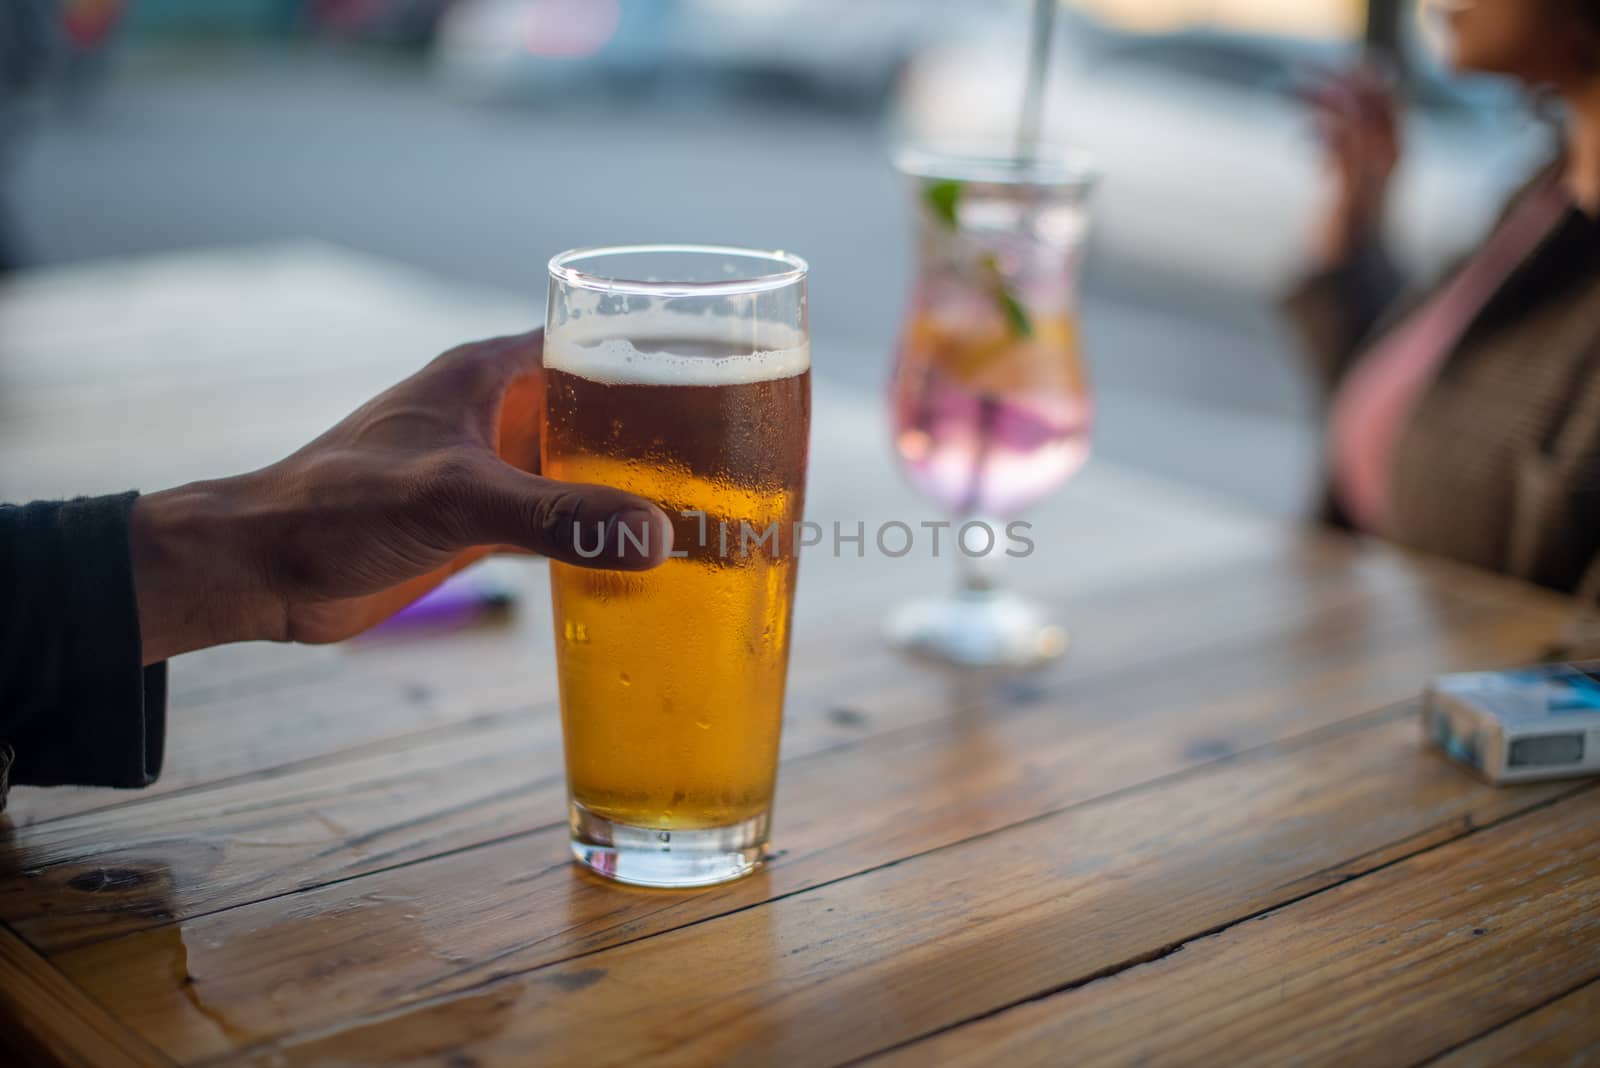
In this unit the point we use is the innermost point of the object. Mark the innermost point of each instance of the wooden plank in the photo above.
(1564, 1032)
(341, 700)
(517, 904)
(344, 700)
(328, 701)
(1392, 968)
(46, 1020)
(306, 707)
(239, 719)
(858, 965)
(269, 294)
(335, 768)
(143, 864)
(197, 852)
(312, 330)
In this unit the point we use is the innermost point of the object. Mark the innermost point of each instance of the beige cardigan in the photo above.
(1500, 465)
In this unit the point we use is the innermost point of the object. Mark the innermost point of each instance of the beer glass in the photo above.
(681, 374)
(990, 403)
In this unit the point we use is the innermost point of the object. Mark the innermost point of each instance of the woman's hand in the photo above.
(413, 486)
(1358, 126)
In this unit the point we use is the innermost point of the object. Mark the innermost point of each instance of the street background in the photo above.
(475, 139)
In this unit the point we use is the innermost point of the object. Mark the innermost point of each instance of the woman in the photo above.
(1468, 424)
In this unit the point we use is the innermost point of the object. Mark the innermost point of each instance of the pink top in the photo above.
(1371, 407)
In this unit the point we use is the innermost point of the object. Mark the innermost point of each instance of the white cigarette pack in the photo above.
(1523, 725)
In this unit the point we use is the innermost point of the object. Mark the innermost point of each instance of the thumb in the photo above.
(576, 523)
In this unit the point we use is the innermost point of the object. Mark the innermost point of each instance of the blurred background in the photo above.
(474, 138)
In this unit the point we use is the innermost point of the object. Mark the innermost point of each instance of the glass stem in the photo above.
(978, 573)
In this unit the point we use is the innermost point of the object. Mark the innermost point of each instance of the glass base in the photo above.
(978, 629)
(645, 856)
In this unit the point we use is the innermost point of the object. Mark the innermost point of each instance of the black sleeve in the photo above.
(76, 706)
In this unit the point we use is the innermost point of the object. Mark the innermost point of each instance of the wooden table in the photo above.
(1210, 836)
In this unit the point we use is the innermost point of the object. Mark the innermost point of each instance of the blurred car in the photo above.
(397, 23)
(409, 24)
(522, 49)
(1209, 164)
(847, 50)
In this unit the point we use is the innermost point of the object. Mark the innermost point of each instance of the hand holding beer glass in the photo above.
(681, 374)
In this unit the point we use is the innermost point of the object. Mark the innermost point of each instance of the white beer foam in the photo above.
(590, 349)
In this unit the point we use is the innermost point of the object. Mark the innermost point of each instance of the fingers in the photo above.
(1368, 85)
(490, 498)
(472, 379)
(1360, 97)
(585, 525)
(500, 359)
(516, 431)
(1356, 122)
(505, 406)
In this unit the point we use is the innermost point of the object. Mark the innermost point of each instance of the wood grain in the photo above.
(957, 932)
(321, 703)
(1391, 968)
(1564, 1032)
(146, 864)
(846, 690)
(358, 854)
(46, 1020)
(525, 907)
(261, 707)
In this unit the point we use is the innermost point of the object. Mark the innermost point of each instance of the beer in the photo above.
(672, 680)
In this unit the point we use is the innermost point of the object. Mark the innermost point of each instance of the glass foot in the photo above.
(645, 856)
(978, 629)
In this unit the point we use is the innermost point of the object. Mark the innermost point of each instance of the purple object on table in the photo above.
(460, 601)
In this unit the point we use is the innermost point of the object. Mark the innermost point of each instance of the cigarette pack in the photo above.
(1523, 725)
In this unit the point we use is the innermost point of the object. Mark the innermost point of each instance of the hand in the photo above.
(1358, 126)
(413, 486)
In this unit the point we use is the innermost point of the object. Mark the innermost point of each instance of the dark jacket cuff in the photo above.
(79, 708)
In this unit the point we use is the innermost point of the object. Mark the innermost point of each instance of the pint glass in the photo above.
(681, 374)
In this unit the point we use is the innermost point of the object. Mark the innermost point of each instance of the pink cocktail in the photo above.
(990, 402)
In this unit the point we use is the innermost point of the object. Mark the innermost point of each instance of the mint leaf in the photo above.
(1016, 315)
(942, 197)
